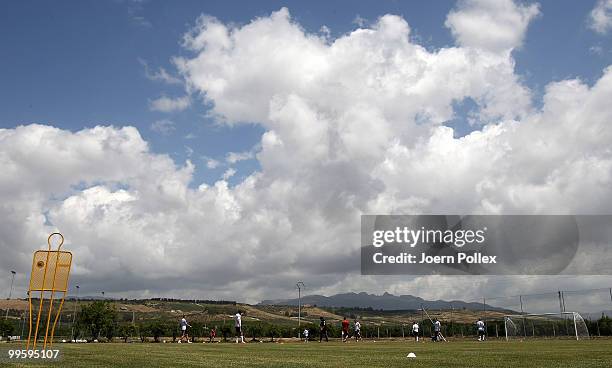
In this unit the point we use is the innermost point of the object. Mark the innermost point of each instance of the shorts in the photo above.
(238, 330)
(481, 332)
(415, 333)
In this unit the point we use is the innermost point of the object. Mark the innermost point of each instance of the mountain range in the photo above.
(385, 301)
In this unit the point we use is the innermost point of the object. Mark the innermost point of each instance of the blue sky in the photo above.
(344, 128)
(76, 64)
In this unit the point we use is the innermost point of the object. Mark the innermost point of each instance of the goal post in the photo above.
(546, 325)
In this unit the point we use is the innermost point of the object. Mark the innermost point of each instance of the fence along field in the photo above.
(144, 320)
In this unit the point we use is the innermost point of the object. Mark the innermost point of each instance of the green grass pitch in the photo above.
(490, 354)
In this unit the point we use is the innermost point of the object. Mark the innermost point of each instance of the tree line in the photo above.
(100, 321)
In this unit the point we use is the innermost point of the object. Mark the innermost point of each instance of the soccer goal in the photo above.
(546, 325)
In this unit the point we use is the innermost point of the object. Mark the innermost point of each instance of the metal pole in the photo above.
(564, 316)
(575, 327)
(484, 315)
(300, 285)
(422, 321)
(563, 300)
(523, 312)
(10, 293)
(506, 327)
(22, 326)
(75, 311)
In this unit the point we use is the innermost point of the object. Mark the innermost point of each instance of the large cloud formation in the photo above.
(353, 125)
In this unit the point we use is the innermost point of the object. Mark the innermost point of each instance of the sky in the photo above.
(227, 149)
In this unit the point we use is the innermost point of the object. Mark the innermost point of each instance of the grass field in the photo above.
(491, 354)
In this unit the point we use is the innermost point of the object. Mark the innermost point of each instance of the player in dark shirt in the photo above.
(322, 330)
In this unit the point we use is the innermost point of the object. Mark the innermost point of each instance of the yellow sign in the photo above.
(50, 274)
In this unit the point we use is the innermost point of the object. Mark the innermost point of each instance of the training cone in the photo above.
(411, 355)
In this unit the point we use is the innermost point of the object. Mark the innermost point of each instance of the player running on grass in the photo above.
(415, 331)
(306, 335)
(480, 325)
(357, 330)
(345, 329)
(213, 334)
(238, 327)
(322, 330)
(437, 330)
(184, 335)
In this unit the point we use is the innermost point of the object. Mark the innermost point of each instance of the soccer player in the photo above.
(357, 330)
(345, 329)
(213, 334)
(437, 329)
(322, 330)
(415, 331)
(306, 335)
(481, 329)
(238, 327)
(184, 334)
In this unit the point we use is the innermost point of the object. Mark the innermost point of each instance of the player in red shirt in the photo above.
(213, 334)
(345, 329)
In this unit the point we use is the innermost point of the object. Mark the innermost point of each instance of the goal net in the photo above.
(547, 325)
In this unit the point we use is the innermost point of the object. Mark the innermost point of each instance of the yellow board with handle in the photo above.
(50, 275)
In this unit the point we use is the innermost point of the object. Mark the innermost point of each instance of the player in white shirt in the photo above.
(357, 330)
(437, 330)
(238, 327)
(184, 335)
(415, 331)
(480, 325)
(306, 332)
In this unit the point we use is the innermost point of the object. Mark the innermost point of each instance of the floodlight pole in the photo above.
(10, 293)
(300, 285)
(75, 311)
(22, 325)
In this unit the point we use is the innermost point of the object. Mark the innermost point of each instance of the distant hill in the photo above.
(382, 302)
(596, 315)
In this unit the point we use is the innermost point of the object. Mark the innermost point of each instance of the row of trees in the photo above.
(99, 319)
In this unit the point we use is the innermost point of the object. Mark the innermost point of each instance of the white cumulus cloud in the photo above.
(168, 104)
(163, 126)
(353, 125)
(494, 25)
(600, 19)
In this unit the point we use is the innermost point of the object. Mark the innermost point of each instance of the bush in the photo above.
(99, 317)
(6, 328)
(157, 329)
(126, 331)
